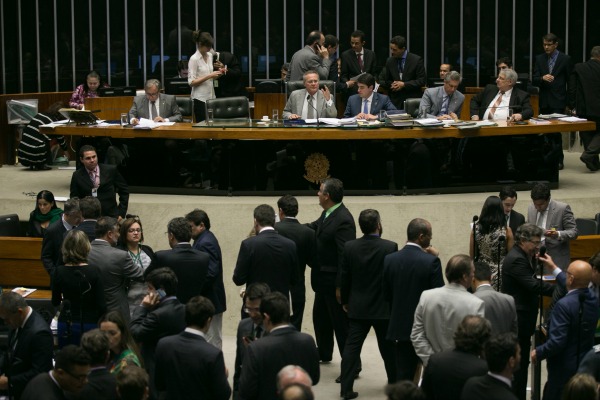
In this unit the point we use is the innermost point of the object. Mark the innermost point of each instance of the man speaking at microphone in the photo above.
(310, 102)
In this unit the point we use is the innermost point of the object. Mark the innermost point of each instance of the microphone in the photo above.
(64, 306)
(310, 103)
(542, 251)
(475, 218)
(501, 239)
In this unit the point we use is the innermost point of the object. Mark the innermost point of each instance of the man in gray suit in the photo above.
(500, 308)
(557, 221)
(116, 266)
(312, 57)
(310, 103)
(154, 105)
(441, 310)
(444, 102)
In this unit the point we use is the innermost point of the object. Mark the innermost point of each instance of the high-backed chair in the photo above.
(9, 225)
(295, 85)
(598, 223)
(186, 107)
(229, 107)
(411, 106)
(586, 226)
(268, 87)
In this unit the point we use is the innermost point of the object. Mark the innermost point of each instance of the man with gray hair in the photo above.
(444, 102)
(293, 375)
(154, 105)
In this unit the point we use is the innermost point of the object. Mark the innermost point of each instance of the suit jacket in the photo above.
(267, 257)
(89, 228)
(433, 98)
(486, 387)
(32, 354)
(406, 274)
(101, 385)
(306, 59)
(296, 101)
(43, 387)
(414, 78)
(245, 328)
(447, 372)
(168, 108)
(590, 364)
(379, 102)
(111, 184)
(437, 316)
(519, 100)
(559, 216)
(265, 357)
(116, 268)
(350, 67)
(584, 88)
(500, 309)
(553, 95)
(213, 287)
(515, 221)
(51, 244)
(230, 84)
(362, 277)
(306, 246)
(188, 367)
(190, 266)
(331, 234)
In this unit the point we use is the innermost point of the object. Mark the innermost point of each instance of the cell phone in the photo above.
(161, 293)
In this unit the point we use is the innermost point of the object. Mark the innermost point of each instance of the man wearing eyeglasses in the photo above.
(154, 105)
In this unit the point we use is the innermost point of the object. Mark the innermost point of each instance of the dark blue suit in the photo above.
(213, 287)
(568, 332)
(380, 102)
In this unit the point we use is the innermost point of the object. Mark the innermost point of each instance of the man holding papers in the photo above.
(367, 104)
(154, 105)
(310, 103)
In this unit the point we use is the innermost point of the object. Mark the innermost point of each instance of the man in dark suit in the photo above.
(404, 73)
(52, 242)
(357, 60)
(367, 104)
(304, 237)
(101, 384)
(283, 346)
(519, 281)
(116, 266)
(362, 299)
(90, 211)
(189, 265)
(214, 290)
(102, 181)
(29, 351)
(495, 101)
(230, 83)
(161, 314)
(187, 366)
(447, 372)
(502, 354)
(333, 228)
(514, 219)
(267, 257)
(570, 331)
(154, 105)
(406, 274)
(551, 73)
(71, 369)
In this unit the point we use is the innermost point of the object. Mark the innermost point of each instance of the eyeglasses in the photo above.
(536, 242)
(249, 310)
(155, 94)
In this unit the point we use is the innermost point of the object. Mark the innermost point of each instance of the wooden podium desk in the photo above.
(110, 108)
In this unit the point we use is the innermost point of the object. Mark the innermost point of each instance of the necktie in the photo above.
(311, 111)
(550, 64)
(445, 102)
(94, 178)
(366, 106)
(258, 332)
(360, 62)
(401, 66)
(496, 104)
(540, 219)
(153, 111)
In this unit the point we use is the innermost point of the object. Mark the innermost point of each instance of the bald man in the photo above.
(293, 376)
(570, 331)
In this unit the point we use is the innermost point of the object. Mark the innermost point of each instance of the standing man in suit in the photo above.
(283, 346)
(116, 266)
(333, 229)
(500, 308)
(406, 275)
(557, 221)
(444, 102)
(514, 219)
(570, 331)
(189, 265)
(101, 384)
(230, 83)
(502, 354)
(362, 299)
(267, 257)
(154, 106)
(441, 310)
(404, 73)
(102, 181)
(367, 104)
(495, 101)
(29, 350)
(551, 73)
(304, 237)
(357, 60)
(52, 242)
(214, 289)
(310, 103)
(90, 211)
(519, 281)
(312, 57)
(187, 366)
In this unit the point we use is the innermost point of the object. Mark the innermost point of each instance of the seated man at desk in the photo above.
(444, 102)
(310, 103)
(496, 102)
(154, 105)
(367, 104)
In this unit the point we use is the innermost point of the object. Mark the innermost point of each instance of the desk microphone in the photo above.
(95, 111)
(542, 253)
(310, 103)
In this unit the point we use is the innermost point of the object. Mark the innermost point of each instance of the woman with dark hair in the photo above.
(491, 239)
(123, 349)
(34, 150)
(131, 240)
(87, 89)
(45, 213)
(79, 287)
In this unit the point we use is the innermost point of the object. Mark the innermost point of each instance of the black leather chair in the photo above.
(186, 107)
(586, 226)
(268, 87)
(229, 107)
(9, 225)
(295, 85)
(597, 219)
(411, 106)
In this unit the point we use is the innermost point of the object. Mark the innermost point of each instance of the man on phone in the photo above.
(313, 56)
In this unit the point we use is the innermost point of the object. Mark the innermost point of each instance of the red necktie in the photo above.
(360, 62)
